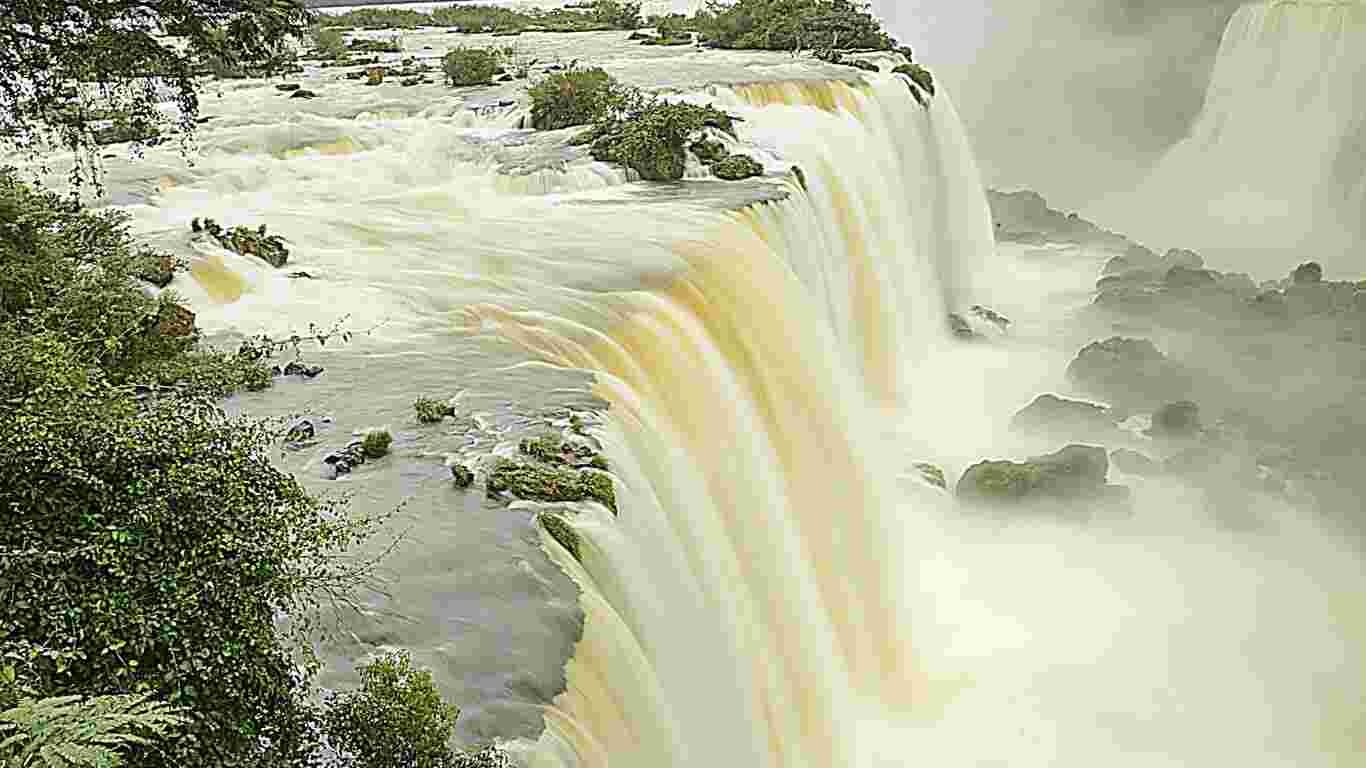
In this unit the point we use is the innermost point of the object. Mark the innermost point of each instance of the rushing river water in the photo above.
(762, 362)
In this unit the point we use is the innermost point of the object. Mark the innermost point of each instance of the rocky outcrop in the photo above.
(555, 449)
(1075, 473)
(561, 531)
(1128, 371)
(1024, 217)
(432, 411)
(1059, 416)
(538, 481)
(246, 241)
(462, 475)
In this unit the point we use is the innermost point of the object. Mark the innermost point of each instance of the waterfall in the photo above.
(1277, 157)
(747, 607)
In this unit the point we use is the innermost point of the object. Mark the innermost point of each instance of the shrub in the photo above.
(375, 444)
(396, 719)
(652, 138)
(330, 43)
(470, 66)
(574, 97)
(430, 410)
(737, 167)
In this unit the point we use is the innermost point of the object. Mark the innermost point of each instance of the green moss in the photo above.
(376, 443)
(470, 66)
(1076, 471)
(542, 448)
(463, 475)
(430, 410)
(573, 97)
(546, 482)
(736, 168)
(560, 530)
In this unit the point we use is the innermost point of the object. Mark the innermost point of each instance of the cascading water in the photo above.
(1276, 158)
(746, 607)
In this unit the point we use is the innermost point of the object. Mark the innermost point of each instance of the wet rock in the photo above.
(1181, 419)
(561, 531)
(866, 66)
(1077, 472)
(303, 93)
(375, 444)
(991, 316)
(1050, 414)
(545, 482)
(343, 461)
(175, 321)
(1132, 462)
(463, 475)
(375, 75)
(246, 241)
(1307, 273)
(158, 269)
(554, 449)
(300, 431)
(297, 368)
(1127, 370)
(931, 474)
(287, 87)
(430, 410)
(960, 327)
(299, 276)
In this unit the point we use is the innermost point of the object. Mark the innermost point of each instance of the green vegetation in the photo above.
(117, 51)
(375, 444)
(542, 482)
(921, 77)
(396, 718)
(737, 167)
(652, 136)
(431, 411)
(787, 25)
(150, 545)
(931, 473)
(1075, 472)
(599, 15)
(76, 732)
(561, 531)
(328, 42)
(574, 97)
(470, 66)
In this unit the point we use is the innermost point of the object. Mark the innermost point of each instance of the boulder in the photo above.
(343, 461)
(1050, 414)
(1077, 472)
(297, 368)
(431, 411)
(1181, 419)
(300, 431)
(538, 481)
(1132, 462)
(375, 444)
(1128, 371)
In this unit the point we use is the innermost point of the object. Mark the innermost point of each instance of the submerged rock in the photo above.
(1077, 472)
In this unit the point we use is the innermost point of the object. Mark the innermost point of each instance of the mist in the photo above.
(1072, 98)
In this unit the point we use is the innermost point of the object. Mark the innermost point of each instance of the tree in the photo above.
(147, 543)
(64, 66)
(396, 719)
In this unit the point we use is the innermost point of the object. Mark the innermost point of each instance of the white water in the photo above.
(772, 367)
(1277, 158)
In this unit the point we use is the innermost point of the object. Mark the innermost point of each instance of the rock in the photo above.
(990, 316)
(866, 66)
(375, 75)
(1126, 370)
(299, 275)
(736, 168)
(931, 474)
(375, 444)
(159, 269)
(506, 78)
(1186, 278)
(1134, 463)
(560, 530)
(799, 175)
(1050, 414)
(1180, 419)
(554, 449)
(250, 242)
(175, 321)
(431, 411)
(1077, 472)
(303, 94)
(960, 327)
(300, 431)
(1178, 257)
(1308, 272)
(343, 461)
(545, 482)
(297, 368)
(287, 87)
(408, 82)
(709, 151)
(463, 475)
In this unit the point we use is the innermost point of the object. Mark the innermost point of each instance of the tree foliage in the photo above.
(147, 543)
(574, 97)
(79, 732)
(396, 719)
(785, 25)
(65, 64)
(470, 66)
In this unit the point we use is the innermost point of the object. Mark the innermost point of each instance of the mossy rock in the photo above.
(1075, 472)
(430, 410)
(547, 482)
(561, 531)
(376, 443)
(709, 151)
(931, 474)
(463, 475)
(246, 241)
(554, 449)
(736, 168)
